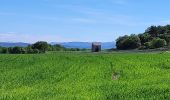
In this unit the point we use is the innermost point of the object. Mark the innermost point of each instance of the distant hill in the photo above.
(108, 45)
(86, 45)
(81, 45)
(11, 44)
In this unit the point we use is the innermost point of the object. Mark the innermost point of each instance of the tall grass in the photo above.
(85, 76)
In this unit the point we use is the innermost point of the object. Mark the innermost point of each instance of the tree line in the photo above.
(153, 37)
(38, 47)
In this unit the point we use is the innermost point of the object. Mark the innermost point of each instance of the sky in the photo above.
(78, 20)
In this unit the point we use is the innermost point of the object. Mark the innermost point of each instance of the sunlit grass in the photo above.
(85, 76)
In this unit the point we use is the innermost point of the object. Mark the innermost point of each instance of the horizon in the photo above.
(77, 20)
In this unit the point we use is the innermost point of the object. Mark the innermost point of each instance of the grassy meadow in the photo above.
(85, 76)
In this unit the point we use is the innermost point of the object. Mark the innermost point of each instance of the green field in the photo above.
(86, 76)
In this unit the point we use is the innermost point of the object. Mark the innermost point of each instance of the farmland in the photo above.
(86, 76)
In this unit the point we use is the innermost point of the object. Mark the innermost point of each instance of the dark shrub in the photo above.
(4, 50)
(158, 43)
(41, 46)
(147, 45)
(36, 51)
(128, 42)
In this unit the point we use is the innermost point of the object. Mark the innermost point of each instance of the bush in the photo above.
(36, 51)
(23, 51)
(3, 50)
(158, 43)
(142, 48)
(148, 45)
(16, 50)
(29, 51)
(128, 42)
(145, 38)
(41, 46)
(57, 47)
(32, 51)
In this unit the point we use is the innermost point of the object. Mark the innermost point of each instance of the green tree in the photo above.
(120, 42)
(166, 37)
(3, 50)
(17, 50)
(153, 31)
(41, 46)
(161, 30)
(158, 43)
(147, 45)
(145, 38)
(57, 47)
(35, 51)
(128, 42)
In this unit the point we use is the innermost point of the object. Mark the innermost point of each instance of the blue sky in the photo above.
(78, 20)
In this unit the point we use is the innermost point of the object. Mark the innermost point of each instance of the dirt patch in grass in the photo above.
(115, 76)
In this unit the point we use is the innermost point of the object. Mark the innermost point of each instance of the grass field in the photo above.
(86, 76)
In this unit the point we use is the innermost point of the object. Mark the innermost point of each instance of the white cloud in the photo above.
(18, 37)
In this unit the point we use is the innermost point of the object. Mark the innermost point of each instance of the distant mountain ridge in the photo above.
(86, 45)
(13, 44)
(81, 45)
